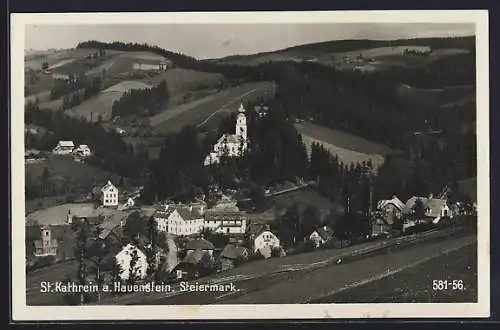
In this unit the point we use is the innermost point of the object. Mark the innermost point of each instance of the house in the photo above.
(230, 145)
(194, 265)
(390, 209)
(321, 235)
(151, 64)
(130, 202)
(231, 256)
(200, 244)
(179, 220)
(120, 131)
(83, 150)
(109, 195)
(63, 148)
(124, 258)
(60, 76)
(435, 208)
(225, 222)
(265, 242)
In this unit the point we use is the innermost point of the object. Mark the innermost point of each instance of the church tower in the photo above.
(241, 124)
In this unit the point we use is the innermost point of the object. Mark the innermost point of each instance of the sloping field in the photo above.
(349, 148)
(200, 111)
(447, 96)
(102, 103)
(59, 56)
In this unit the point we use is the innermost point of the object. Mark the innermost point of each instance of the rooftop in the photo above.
(199, 244)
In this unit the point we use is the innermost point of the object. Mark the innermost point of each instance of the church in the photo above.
(231, 145)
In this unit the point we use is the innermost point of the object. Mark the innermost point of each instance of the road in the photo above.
(303, 286)
(283, 191)
(224, 107)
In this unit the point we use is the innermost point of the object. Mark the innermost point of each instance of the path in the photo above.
(225, 105)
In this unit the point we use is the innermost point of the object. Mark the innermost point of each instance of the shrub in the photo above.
(275, 252)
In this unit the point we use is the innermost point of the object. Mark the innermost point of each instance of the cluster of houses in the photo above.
(391, 210)
(68, 148)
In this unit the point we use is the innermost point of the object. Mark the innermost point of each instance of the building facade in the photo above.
(83, 150)
(179, 220)
(64, 148)
(265, 242)
(47, 245)
(109, 195)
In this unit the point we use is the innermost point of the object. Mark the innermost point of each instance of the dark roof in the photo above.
(198, 257)
(233, 252)
(224, 215)
(184, 211)
(201, 244)
(325, 232)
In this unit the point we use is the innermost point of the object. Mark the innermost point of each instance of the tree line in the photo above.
(142, 102)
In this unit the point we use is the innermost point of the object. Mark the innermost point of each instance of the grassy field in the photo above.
(415, 284)
(202, 111)
(349, 148)
(448, 96)
(42, 83)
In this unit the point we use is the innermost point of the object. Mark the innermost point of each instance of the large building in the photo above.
(179, 220)
(230, 145)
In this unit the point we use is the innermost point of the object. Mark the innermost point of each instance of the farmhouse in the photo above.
(179, 220)
(435, 208)
(64, 148)
(124, 258)
(151, 64)
(230, 145)
(321, 235)
(231, 256)
(83, 150)
(109, 195)
(194, 265)
(265, 242)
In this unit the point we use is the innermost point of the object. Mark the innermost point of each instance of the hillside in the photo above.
(331, 52)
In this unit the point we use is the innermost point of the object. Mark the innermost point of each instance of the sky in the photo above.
(218, 40)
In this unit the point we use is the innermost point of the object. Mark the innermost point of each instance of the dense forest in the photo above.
(142, 102)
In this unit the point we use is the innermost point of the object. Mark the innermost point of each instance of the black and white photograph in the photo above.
(250, 165)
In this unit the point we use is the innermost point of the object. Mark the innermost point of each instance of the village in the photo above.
(131, 242)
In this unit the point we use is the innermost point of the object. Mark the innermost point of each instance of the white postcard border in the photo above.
(22, 312)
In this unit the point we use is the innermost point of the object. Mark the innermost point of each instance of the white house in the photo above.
(130, 202)
(435, 208)
(83, 150)
(265, 242)
(179, 220)
(231, 145)
(64, 148)
(124, 258)
(109, 195)
(321, 235)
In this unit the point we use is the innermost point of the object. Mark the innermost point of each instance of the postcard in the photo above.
(244, 165)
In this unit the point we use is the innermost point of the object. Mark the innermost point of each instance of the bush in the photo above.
(254, 256)
(307, 246)
(275, 252)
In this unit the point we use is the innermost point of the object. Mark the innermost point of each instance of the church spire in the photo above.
(241, 109)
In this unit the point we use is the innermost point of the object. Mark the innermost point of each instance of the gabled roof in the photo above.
(433, 204)
(325, 232)
(196, 257)
(187, 213)
(201, 244)
(229, 138)
(394, 201)
(233, 252)
(108, 186)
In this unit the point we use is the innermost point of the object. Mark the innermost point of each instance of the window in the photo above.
(227, 230)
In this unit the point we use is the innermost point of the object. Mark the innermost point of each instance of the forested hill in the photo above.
(349, 45)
